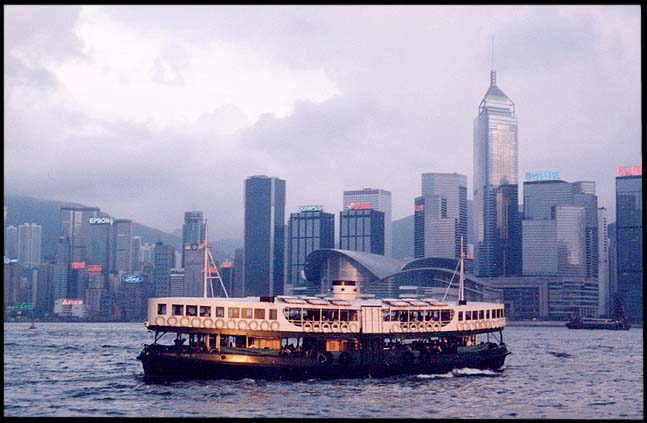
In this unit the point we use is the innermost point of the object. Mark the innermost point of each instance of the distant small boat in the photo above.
(619, 323)
(33, 324)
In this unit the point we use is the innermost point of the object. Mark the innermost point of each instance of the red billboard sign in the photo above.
(78, 265)
(352, 205)
(633, 170)
(95, 268)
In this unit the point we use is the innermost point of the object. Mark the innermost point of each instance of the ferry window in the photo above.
(385, 315)
(191, 310)
(395, 315)
(205, 311)
(178, 309)
(335, 315)
(487, 314)
(292, 313)
(220, 312)
(475, 315)
(498, 313)
(352, 315)
(481, 314)
(468, 315)
(272, 314)
(460, 315)
(161, 309)
(233, 312)
(326, 314)
(259, 313)
(436, 315)
(248, 313)
(415, 315)
(446, 315)
(428, 315)
(344, 315)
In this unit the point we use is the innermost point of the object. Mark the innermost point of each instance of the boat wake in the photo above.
(466, 371)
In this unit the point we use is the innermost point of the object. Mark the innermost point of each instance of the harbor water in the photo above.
(90, 369)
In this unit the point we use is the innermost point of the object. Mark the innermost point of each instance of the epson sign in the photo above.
(100, 221)
(132, 278)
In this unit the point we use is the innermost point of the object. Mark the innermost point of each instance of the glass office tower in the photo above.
(309, 229)
(362, 230)
(440, 217)
(373, 198)
(192, 231)
(264, 236)
(495, 165)
(629, 239)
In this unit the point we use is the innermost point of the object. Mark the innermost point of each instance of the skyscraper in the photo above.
(136, 259)
(193, 270)
(193, 230)
(603, 263)
(61, 268)
(264, 235)
(362, 230)
(121, 245)
(495, 165)
(75, 225)
(440, 217)
(309, 229)
(164, 258)
(543, 227)
(373, 198)
(629, 239)
(29, 235)
(11, 242)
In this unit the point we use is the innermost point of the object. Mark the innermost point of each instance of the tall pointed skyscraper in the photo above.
(496, 163)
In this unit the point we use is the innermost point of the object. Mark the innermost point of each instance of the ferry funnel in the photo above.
(344, 290)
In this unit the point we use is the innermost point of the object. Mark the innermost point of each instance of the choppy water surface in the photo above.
(84, 369)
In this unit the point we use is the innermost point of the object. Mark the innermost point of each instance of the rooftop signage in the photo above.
(633, 170)
(310, 208)
(351, 205)
(78, 265)
(72, 301)
(9, 260)
(542, 175)
(100, 221)
(95, 268)
(132, 278)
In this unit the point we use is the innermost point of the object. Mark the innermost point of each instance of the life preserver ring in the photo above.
(172, 321)
(404, 327)
(265, 325)
(472, 326)
(159, 320)
(429, 326)
(335, 327)
(207, 323)
(344, 327)
(352, 327)
(231, 324)
(395, 327)
(253, 325)
(325, 359)
(195, 322)
(242, 324)
(275, 325)
(316, 327)
(325, 327)
(307, 327)
(435, 326)
(184, 321)
(219, 324)
(421, 327)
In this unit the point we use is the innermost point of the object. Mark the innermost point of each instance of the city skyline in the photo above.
(338, 116)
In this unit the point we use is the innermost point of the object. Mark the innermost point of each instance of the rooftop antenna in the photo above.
(492, 71)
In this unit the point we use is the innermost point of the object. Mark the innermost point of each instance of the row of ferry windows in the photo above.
(318, 314)
(206, 311)
(394, 315)
(481, 314)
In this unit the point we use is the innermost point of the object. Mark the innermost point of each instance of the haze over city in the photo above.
(175, 112)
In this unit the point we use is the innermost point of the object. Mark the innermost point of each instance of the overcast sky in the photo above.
(150, 111)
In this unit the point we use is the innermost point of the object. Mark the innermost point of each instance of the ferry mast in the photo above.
(209, 263)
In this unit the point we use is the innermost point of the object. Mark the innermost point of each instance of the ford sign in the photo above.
(132, 278)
